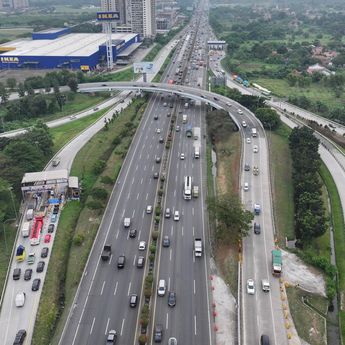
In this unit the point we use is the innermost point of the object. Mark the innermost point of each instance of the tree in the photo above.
(4, 94)
(230, 214)
(11, 83)
(21, 90)
(72, 83)
(40, 136)
(269, 118)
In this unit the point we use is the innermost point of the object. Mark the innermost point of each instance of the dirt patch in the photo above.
(221, 179)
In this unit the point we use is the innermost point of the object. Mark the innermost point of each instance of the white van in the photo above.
(20, 299)
(161, 288)
(127, 222)
(29, 214)
(184, 118)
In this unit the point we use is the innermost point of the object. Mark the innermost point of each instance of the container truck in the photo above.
(198, 247)
(277, 262)
(196, 133)
(189, 131)
(106, 252)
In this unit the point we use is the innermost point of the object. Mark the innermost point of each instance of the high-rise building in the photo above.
(13, 4)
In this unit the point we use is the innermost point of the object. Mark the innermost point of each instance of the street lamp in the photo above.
(13, 204)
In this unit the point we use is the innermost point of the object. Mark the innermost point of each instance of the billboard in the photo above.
(144, 67)
(108, 16)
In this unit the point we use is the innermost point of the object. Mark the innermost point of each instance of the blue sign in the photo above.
(108, 16)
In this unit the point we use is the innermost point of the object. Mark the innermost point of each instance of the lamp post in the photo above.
(13, 204)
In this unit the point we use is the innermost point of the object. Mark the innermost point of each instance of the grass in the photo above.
(79, 224)
(337, 218)
(310, 325)
(281, 171)
(159, 75)
(153, 52)
(7, 237)
(124, 75)
(63, 134)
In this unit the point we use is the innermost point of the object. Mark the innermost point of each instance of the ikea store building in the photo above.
(58, 48)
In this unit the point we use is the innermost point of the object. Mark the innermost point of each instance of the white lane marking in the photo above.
(172, 230)
(111, 257)
(175, 193)
(144, 167)
(140, 156)
(194, 285)
(133, 213)
(133, 180)
(102, 288)
(153, 168)
(134, 260)
(136, 168)
(115, 290)
(193, 230)
(117, 234)
(182, 230)
(123, 322)
(167, 322)
(106, 328)
(138, 196)
(139, 234)
(93, 322)
(169, 283)
(148, 156)
(128, 196)
(176, 178)
(195, 324)
(147, 195)
(141, 181)
(129, 288)
(123, 213)
(193, 211)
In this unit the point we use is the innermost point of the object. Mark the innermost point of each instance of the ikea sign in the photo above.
(108, 16)
(9, 59)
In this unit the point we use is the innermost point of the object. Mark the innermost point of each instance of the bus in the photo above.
(187, 188)
(36, 229)
(262, 89)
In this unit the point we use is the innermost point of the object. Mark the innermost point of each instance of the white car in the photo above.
(248, 140)
(244, 124)
(250, 287)
(142, 245)
(176, 215)
(158, 130)
(240, 111)
(149, 209)
(255, 149)
(246, 186)
(265, 285)
(182, 156)
(20, 299)
(228, 104)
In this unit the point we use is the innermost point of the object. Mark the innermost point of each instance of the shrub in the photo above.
(99, 166)
(100, 193)
(152, 248)
(157, 211)
(107, 180)
(143, 339)
(78, 240)
(94, 205)
(155, 234)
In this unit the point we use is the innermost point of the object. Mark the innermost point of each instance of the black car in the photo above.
(121, 261)
(40, 266)
(28, 274)
(158, 159)
(158, 333)
(36, 284)
(246, 167)
(51, 228)
(155, 175)
(133, 300)
(171, 299)
(44, 252)
(257, 228)
(20, 337)
(166, 241)
(156, 117)
(56, 209)
(133, 233)
(161, 140)
(16, 273)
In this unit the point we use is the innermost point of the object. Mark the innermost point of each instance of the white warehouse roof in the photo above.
(81, 44)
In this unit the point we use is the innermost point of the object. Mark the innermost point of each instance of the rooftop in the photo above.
(45, 176)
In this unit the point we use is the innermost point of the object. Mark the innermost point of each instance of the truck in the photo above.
(198, 247)
(29, 214)
(196, 133)
(195, 191)
(254, 133)
(196, 151)
(277, 262)
(106, 252)
(246, 83)
(189, 131)
(199, 82)
(186, 105)
(26, 229)
(184, 118)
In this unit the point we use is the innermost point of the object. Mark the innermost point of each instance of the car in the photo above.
(161, 140)
(166, 241)
(36, 284)
(149, 209)
(178, 128)
(121, 260)
(257, 209)
(168, 114)
(244, 124)
(246, 186)
(240, 111)
(228, 104)
(172, 341)
(47, 238)
(155, 175)
(44, 252)
(31, 258)
(158, 333)
(246, 167)
(16, 273)
(165, 104)
(112, 337)
(20, 299)
(155, 117)
(161, 288)
(167, 212)
(140, 262)
(133, 233)
(51, 228)
(133, 300)
(257, 229)
(95, 109)
(28, 274)
(250, 287)
(265, 285)
(53, 218)
(264, 340)
(20, 253)
(255, 149)
(40, 266)
(248, 141)
(171, 299)
(182, 156)
(176, 215)
(56, 209)
(255, 170)
(127, 222)
(158, 130)
(20, 337)
(142, 245)
(158, 159)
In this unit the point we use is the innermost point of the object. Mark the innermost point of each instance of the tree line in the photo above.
(310, 219)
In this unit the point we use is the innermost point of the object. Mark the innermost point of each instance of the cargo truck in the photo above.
(189, 131)
(26, 229)
(277, 262)
(106, 252)
(196, 133)
(254, 133)
(196, 151)
(198, 247)
(184, 118)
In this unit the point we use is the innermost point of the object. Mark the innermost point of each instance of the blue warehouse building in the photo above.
(58, 48)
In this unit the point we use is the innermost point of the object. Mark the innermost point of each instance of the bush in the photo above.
(143, 339)
(152, 249)
(99, 166)
(160, 192)
(152, 257)
(157, 219)
(158, 211)
(107, 180)
(155, 234)
(78, 240)
(94, 205)
(99, 193)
